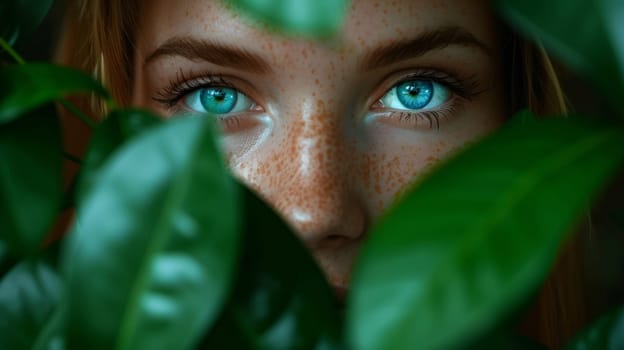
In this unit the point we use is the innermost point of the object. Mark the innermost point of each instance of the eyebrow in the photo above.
(216, 53)
(423, 43)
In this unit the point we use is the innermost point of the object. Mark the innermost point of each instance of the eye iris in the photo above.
(218, 100)
(415, 94)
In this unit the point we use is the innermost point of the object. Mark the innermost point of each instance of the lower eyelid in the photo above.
(420, 120)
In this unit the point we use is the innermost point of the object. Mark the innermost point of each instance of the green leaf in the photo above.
(281, 299)
(20, 17)
(606, 333)
(4, 252)
(474, 239)
(506, 340)
(588, 37)
(29, 294)
(30, 178)
(310, 18)
(30, 85)
(151, 258)
(119, 127)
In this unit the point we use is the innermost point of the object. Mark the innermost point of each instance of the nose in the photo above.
(314, 187)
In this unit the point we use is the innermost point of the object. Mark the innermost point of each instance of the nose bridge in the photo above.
(319, 149)
(315, 195)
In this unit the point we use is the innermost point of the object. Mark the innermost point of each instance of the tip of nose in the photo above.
(333, 227)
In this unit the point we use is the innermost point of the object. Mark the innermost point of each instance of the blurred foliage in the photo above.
(308, 18)
(20, 17)
(476, 253)
(587, 37)
(168, 252)
(30, 147)
(606, 333)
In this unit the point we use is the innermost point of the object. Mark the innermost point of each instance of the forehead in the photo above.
(369, 23)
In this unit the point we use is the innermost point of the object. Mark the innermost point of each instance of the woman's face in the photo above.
(328, 134)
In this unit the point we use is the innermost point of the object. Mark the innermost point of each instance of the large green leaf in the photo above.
(474, 239)
(281, 300)
(29, 294)
(119, 127)
(587, 36)
(151, 257)
(504, 339)
(19, 17)
(30, 178)
(312, 18)
(606, 333)
(29, 85)
(4, 252)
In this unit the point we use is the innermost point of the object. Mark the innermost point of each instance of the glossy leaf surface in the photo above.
(30, 85)
(20, 17)
(474, 239)
(586, 36)
(281, 300)
(119, 127)
(29, 293)
(606, 333)
(30, 178)
(153, 250)
(312, 18)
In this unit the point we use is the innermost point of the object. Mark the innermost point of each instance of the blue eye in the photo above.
(218, 100)
(416, 94)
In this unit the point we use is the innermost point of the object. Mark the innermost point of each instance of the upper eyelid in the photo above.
(190, 81)
(183, 85)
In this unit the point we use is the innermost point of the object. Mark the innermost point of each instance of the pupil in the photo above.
(219, 95)
(414, 92)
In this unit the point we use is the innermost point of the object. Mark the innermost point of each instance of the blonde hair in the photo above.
(99, 40)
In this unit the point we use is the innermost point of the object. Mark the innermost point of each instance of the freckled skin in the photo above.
(312, 154)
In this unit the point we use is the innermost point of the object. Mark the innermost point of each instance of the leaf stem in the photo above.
(11, 52)
(78, 113)
(72, 157)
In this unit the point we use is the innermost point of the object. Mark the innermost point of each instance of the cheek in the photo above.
(394, 159)
(387, 170)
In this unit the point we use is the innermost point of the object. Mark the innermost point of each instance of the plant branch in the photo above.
(11, 52)
(78, 113)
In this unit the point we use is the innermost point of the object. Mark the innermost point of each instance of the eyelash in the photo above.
(462, 88)
(182, 85)
(466, 88)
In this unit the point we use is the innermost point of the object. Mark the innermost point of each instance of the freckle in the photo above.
(377, 188)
